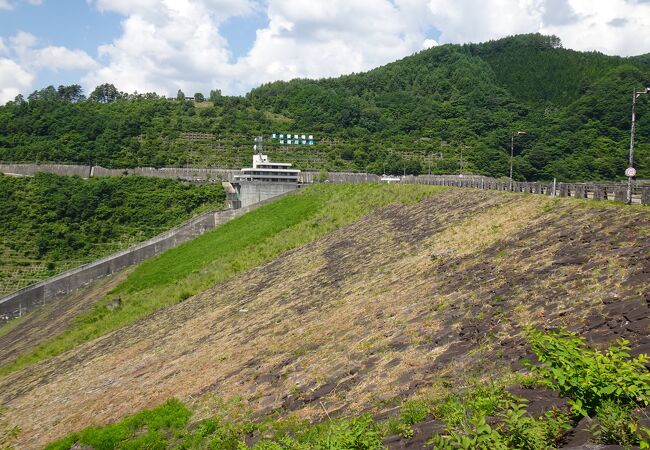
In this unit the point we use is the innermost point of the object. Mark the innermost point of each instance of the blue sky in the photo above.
(235, 45)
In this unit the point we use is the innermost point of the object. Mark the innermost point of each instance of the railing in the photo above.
(595, 191)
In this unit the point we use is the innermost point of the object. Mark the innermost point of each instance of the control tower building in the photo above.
(266, 179)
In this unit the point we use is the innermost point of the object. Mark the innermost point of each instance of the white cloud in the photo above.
(170, 44)
(316, 39)
(61, 58)
(22, 59)
(428, 43)
(612, 26)
(23, 45)
(13, 80)
(22, 40)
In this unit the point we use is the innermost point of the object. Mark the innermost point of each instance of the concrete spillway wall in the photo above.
(26, 299)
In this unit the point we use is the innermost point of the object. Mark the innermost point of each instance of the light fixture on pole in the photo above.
(512, 153)
(630, 172)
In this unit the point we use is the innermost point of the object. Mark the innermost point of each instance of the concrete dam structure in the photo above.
(265, 180)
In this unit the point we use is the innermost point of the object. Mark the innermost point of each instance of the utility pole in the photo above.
(512, 154)
(635, 95)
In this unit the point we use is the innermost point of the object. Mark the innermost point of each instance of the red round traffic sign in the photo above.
(630, 171)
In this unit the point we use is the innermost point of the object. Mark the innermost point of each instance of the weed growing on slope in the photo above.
(615, 424)
(466, 416)
(588, 376)
(606, 385)
(237, 246)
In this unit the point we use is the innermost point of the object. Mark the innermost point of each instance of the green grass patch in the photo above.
(150, 428)
(239, 245)
(168, 426)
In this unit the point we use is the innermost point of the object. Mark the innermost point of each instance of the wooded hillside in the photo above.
(414, 115)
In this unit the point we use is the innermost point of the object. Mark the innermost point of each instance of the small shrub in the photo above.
(451, 411)
(360, 433)
(184, 295)
(522, 431)
(467, 428)
(414, 411)
(396, 427)
(590, 377)
(615, 425)
(476, 435)
(486, 399)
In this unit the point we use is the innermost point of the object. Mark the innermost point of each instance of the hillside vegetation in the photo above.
(384, 316)
(414, 115)
(51, 223)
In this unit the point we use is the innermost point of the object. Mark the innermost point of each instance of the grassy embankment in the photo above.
(216, 256)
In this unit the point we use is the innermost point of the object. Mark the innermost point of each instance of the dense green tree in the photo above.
(57, 218)
(215, 96)
(105, 93)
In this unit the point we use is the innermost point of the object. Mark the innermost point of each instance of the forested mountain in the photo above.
(414, 115)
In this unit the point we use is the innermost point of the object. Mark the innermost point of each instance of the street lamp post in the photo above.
(635, 95)
(512, 153)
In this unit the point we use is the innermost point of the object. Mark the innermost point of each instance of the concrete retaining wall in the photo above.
(59, 169)
(175, 173)
(251, 192)
(26, 299)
